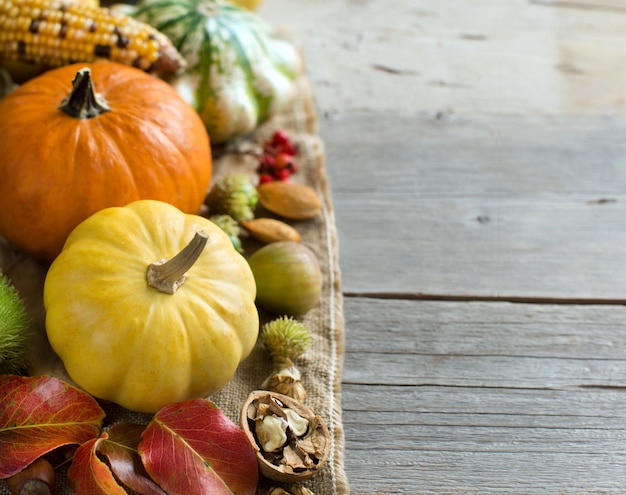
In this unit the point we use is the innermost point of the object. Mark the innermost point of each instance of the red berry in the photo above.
(280, 138)
(282, 174)
(268, 161)
(283, 160)
(289, 148)
(266, 164)
(263, 178)
(292, 167)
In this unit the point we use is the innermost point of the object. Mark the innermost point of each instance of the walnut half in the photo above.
(291, 442)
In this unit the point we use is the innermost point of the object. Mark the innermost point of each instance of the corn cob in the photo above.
(52, 33)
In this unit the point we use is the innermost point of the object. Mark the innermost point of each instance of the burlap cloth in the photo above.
(321, 365)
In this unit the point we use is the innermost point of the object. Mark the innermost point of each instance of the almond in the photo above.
(268, 230)
(289, 199)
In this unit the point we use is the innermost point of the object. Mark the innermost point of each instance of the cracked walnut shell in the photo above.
(291, 442)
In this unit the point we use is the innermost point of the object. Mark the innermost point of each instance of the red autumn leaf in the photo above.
(121, 452)
(40, 414)
(191, 448)
(89, 474)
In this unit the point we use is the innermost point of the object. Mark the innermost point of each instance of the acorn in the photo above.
(36, 479)
(14, 328)
(288, 278)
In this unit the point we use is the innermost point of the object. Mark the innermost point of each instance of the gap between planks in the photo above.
(418, 296)
(599, 5)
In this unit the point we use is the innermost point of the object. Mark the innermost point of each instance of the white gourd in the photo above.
(239, 74)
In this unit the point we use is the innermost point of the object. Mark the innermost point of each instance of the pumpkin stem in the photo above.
(83, 102)
(168, 275)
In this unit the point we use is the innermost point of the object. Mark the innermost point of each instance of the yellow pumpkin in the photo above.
(138, 331)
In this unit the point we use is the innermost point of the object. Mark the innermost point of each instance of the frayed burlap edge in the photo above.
(322, 365)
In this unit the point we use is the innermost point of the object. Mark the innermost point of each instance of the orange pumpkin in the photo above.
(67, 152)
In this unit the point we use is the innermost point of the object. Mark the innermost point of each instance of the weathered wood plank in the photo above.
(498, 473)
(457, 171)
(487, 206)
(514, 56)
(488, 371)
(512, 330)
(588, 409)
(478, 429)
(482, 345)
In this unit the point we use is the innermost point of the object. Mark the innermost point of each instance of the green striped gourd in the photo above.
(238, 75)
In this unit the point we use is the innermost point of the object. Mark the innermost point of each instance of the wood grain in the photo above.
(485, 56)
(457, 397)
(478, 168)
(484, 206)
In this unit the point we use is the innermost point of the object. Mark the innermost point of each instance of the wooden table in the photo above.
(477, 158)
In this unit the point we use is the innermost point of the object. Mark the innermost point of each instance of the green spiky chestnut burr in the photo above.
(234, 195)
(13, 329)
(230, 227)
(285, 339)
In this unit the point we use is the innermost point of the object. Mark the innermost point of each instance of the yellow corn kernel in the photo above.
(89, 3)
(50, 33)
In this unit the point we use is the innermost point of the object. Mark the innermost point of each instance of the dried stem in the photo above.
(168, 275)
(83, 102)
